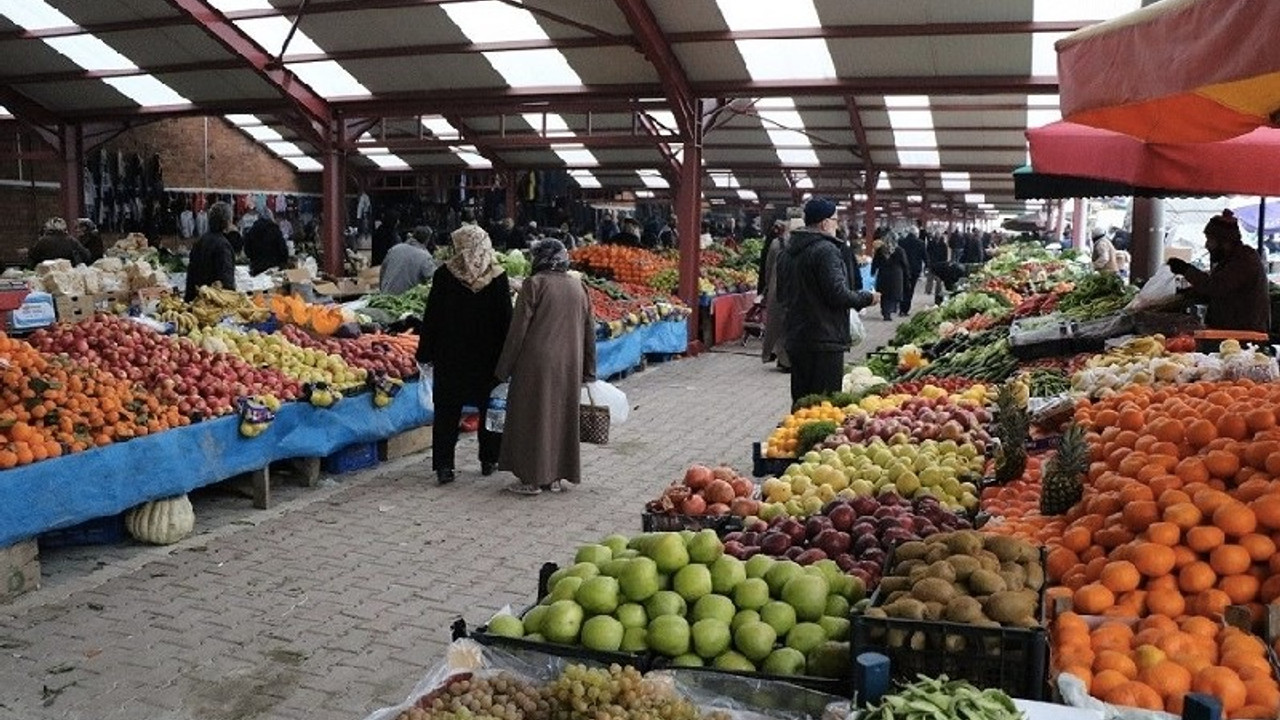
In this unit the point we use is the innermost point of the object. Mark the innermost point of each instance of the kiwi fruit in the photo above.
(1035, 576)
(1008, 607)
(954, 644)
(943, 569)
(907, 608)
(964, 542)
(1006, 548)
(911, 550)
(933, 589)
(906, 566)
(1015, 578)
(963, 565)
(986, 582)
(963, 609)
(894, 583)
(934, 610)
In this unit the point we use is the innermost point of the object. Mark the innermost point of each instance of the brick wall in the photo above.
(233, 161)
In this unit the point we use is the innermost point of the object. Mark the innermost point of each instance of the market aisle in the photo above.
(340, 604)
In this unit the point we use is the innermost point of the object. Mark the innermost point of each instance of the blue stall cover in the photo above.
(667, 337)
(104, 481)
(619, 354)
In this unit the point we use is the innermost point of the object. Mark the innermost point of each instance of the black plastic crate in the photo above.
(640, 661)
(762, 466)
(99, 531)
(661, 522)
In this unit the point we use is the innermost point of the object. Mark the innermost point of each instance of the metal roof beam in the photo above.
(523, 141)
(313, 109)
(675, 84)
(483, 146)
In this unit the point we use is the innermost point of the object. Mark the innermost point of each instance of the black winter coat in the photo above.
(890, 271)
(212, 260)
(265, 247)
(462, 335)
(813, 282)
(935, 251)
(913, 247)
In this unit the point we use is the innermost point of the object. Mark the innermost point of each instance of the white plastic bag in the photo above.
(426, 378)
(1160, 290)
(857, 331)
(495, 418)
(602, 393)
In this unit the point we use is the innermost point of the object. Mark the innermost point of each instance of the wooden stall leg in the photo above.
(261, 480)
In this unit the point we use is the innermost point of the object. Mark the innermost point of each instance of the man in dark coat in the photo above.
(813, 282)
(974, 253)
(387, 234)
(889, 267)
(56, 244)
(88, 235)
(629, 235)
(265, 245)
(936, 254)
(1235, 287)
(914, 249)
(956, 245)
(212, 259)
(608, 227)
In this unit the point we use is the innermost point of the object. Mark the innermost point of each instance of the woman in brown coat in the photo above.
(549, 353)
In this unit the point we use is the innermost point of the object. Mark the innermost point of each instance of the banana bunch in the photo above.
(171, 303)
(252, 315)
(214, 304)
(1143, 348)
(183, 320)
(220, 297)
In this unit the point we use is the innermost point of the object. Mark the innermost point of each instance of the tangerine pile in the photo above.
(783, 440)
(621, 263)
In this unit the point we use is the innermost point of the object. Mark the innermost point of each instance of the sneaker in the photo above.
(444, 477)
(488, 468)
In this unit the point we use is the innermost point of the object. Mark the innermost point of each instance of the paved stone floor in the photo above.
(337, 600)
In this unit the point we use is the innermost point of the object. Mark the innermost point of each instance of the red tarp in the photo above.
(1176, 71)
(1246, 165)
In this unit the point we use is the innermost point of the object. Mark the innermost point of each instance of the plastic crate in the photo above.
(661, 522)
(99, 531)
(762, 466)
(351, 458)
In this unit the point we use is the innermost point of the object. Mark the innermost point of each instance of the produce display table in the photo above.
(724, 317)
(625, 352)
(71, 489)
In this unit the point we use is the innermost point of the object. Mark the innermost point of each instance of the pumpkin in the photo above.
(325, 320)
(161, 522)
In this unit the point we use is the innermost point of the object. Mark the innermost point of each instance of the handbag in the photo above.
(593, 421)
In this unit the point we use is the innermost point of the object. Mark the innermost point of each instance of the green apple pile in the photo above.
(945, 470)
(679, 596)
(305, 365)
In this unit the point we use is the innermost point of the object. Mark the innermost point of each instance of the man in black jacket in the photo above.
(813, 282)
(56, 244)
(265, 246)
(914, 249)
(212, 259)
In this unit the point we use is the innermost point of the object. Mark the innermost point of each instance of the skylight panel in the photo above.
(574, 154)
(915, 198)
(652, 179)
(664, 118)
(230, 6)
(271, 32)
(328, 78)
(146, 90)
(797, 156)
(955, 181)
(883, 183)
(919, 158)
(5, 111)
(646, 194)
(387, 161)
(470, 155)
(913, 135)
(1042, 110)
(490, 21)
(764, 14)
(915, 138)
(749, 195)
(975, 198)
(283, 148)
(533, 68)
(241, 120)
(859, 197)
(724, 180)
(585, 179)
(261, 133)
(305, 164)
(441, 128)
(548, 124)
(805, 183)
(90, 53)
(33, 14)
(1081, 10)
(801, 59)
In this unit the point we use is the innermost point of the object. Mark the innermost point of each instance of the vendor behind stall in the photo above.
(406, 265)
(1235, 287)
(56, 244)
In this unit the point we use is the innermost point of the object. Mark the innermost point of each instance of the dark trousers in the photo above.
(444, 433)
(815, 372)
(908, 290)
(888, 306)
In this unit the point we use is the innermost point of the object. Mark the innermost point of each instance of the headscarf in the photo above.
(1223, 227)
(473, 261)
(550, 255)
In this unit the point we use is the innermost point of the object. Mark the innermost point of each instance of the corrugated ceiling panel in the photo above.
(213, 86)
(96, 11)
(610, 66)
(704, 62)
(440, 72)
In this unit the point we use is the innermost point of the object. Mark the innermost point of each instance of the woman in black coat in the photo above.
(890, 270)
(463, 329)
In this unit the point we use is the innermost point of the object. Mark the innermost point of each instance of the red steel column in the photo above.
(334, 180)
(72, 174)
(689, 225)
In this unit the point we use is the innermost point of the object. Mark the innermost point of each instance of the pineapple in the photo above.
(1012, 424)
(1063, 483)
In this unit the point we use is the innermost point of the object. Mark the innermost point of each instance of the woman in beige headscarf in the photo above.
(468, 313)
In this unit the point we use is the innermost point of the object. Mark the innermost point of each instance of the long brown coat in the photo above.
(775, 319)
(549, 353)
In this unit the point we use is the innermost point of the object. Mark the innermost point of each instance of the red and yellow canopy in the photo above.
(1178, 71)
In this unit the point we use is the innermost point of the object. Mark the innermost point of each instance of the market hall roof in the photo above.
(929, 97)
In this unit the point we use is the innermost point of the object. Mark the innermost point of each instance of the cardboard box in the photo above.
(74, 308)
(19, 569)
(341, 288)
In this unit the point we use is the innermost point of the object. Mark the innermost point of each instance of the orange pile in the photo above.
(621, 263)
(1153, 663)
(1017, 499)
(51, 406)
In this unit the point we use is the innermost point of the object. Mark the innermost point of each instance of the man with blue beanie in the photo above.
(814, 285)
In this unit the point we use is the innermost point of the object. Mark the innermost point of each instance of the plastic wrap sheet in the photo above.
(619, 354)
(668, 336)
(71, 489)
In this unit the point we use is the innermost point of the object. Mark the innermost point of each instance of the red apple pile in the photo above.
(177, 371)
(365, 352)
(857, 533)
(708, 491)
(919, 418)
